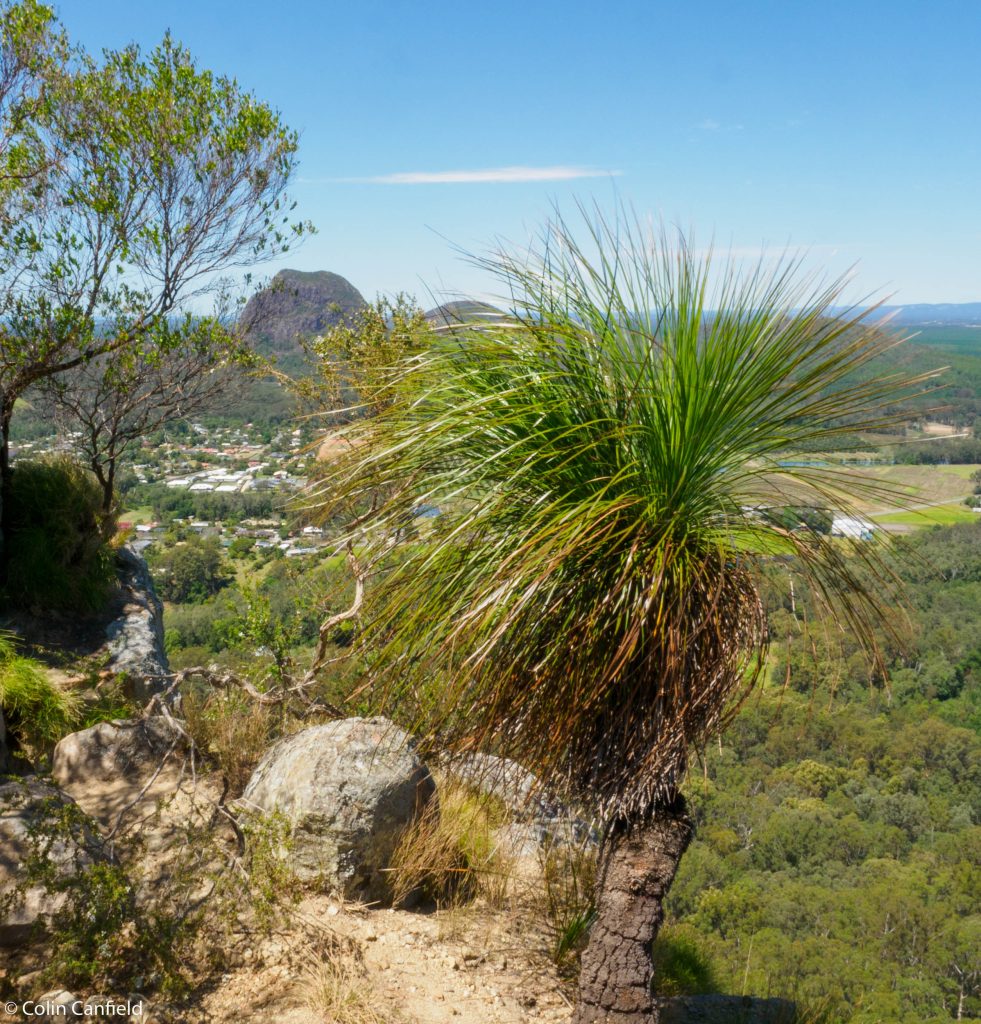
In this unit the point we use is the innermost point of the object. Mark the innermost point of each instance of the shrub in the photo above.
(120, 928)
(57, 548)
(682, 967)
(100, 936)
(37, 712)
(231, 729)
(273, 887)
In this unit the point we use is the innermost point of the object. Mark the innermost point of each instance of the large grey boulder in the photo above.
(136, 637)
(348, 789)
(39, 825)
(118, 769)
(504, 780)
(725, 1010)
(127, 748)
(539, 821)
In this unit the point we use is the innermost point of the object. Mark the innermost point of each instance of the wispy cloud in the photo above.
(484, 176)
(711, 125)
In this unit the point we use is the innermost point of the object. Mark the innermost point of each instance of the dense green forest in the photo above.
(838, 855)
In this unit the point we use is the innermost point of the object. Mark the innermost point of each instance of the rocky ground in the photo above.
(326, 957)
(275, 906)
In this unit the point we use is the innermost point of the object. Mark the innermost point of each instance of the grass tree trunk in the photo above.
(638, 866)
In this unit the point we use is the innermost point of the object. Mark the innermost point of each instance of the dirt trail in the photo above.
(467, 966)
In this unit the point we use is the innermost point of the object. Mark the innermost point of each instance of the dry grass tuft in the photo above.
(451, 853)
(231, 729)
(341, 992)
(566, 899)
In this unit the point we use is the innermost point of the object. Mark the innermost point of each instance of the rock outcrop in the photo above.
(348, 788)
(505, 780)
(539, 820)
(136, 641)
(39, 824)
(299, 303)
(107, 751)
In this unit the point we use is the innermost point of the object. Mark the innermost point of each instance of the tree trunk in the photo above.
(107, 481)
(638, 865)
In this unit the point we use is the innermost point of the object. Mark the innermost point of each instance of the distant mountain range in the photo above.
(306, 303)
(967, 314)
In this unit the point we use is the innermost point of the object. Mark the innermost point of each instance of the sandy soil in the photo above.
(470, 965)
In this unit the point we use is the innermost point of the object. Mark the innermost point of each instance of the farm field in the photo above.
(936, 515)
(917, 485)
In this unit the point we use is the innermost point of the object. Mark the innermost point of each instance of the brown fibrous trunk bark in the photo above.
(637, 866)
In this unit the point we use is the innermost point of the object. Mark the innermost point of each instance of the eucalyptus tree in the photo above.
(160, 178)
(606, 462)
(32, 52)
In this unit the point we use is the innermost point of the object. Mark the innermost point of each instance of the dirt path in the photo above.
(468, 966)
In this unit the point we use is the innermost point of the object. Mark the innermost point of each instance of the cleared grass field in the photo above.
(937, 515)
(918, 485)
(137, 516)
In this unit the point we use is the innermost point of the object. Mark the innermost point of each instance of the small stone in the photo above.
(57, 1005)
(25, 982)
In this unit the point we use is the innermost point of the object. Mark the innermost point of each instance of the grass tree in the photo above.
(612, 463)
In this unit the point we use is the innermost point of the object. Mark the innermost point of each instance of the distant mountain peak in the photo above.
(299, 303)
(463, 311)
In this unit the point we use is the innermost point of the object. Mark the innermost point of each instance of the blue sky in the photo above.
(851, 130)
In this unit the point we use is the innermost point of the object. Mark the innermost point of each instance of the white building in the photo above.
(852, 527)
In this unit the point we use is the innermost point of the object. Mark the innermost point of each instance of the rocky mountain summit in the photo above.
(462, 312)
(299, 303)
